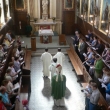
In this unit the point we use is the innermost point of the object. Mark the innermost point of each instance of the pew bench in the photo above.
(75, 64)
(17, 102)
(27, 67)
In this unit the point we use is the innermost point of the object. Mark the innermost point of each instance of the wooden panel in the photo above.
(68, 22)
(33, 43)
(20, 16)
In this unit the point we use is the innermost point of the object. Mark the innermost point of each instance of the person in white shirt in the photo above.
(106, 76)
(46, 58)
(17, 64)
(9, 86)
(13, 73)
(52, 67)
(94, 97)
(8, 35)
(60, 57)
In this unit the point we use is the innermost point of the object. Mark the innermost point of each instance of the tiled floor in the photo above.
(41, 99)
(54, 44)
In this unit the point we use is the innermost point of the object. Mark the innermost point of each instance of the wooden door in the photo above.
(68, 26)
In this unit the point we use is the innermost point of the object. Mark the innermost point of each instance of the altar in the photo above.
(44, 24)
(45, 34)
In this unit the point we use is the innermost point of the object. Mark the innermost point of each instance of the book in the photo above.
(86, 92)
(103, 85)
(84, 55)
(87, 36)
(100, 80)
(92, 67)
(93, 48)
(72, 38)
(22, 62)
(4, 61)
(87, 63)
(16, 86)
(19, 71)
(20, 58)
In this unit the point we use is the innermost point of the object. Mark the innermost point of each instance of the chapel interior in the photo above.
(39, 24)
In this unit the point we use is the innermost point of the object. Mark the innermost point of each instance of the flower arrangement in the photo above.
(35, 19)
(53, 18)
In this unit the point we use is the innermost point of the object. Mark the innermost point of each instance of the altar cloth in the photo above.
(46, 32)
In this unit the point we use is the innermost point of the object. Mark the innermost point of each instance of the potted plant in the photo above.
(35, 19)
(53, 18)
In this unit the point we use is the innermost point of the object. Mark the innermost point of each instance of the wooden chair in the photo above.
(62, 39)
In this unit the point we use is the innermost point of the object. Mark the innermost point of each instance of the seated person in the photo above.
(88, 37)
(90, 63)
(94, 42)
(13, 59)
(5, 98)
(19, 43)
(16, 52)
(99, 47)
(106, 76)
(17, 64)
(8, 36)
(2, 107)
(5, 48)
(89, 55)
(107, 58)
(14, 74)
(6, 42)
(14, 77)
(104, 53)
(81, 49)
(91, 39)
(1, 53)
(9, 86)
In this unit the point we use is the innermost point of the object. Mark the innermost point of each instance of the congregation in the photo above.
(94, 55)
(11, 62)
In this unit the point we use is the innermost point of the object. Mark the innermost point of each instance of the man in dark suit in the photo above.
(76, 41)
(88, 37)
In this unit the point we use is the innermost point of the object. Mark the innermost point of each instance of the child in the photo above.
(2, 107)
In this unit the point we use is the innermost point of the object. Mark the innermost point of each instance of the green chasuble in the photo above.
(58, 87)
(99, 66)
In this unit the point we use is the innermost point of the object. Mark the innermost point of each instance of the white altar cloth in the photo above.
(46, 32)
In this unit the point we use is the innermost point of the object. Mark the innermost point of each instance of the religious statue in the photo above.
(45, 6)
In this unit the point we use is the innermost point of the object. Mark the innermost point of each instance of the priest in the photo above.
(46, 58)
(60, 57)
(58, 87)
(52, 67)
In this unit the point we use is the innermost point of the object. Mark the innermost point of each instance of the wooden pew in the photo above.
(17, 102)
(27, 58)
(76, 62)
(81, 71)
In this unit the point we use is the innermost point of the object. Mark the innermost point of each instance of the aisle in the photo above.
(41, 99)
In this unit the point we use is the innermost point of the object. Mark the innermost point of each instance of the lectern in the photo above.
(33, 43)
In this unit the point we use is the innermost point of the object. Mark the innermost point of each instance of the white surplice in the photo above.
(52, 69)
(46, 58)
(60, 57)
